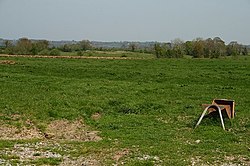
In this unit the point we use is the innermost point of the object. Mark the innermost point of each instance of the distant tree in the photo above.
(245, 51)
(168, 50)
(79, 53)
(177, 52)
(209, 48)
(34, 50)
(7, 44)
(23, 46)
(233, 49)
(177, 48)
(71, 48)
(219, 48)
(132, 47)
(168, 53)
(158, 50)
(42, 44)
(188, 47)
(198, 49)
(66, 48)
(39, 46)
(55, 52)
(85, 45)
(8, 47)
(44, 52)
(177, 43)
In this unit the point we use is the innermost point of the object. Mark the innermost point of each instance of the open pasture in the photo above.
(131, 112)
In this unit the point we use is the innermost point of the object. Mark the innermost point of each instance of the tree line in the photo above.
(25, 46)
(198, 48)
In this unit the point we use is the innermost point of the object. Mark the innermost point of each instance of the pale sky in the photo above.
(125, 20)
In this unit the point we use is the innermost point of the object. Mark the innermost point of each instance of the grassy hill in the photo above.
(131, 112)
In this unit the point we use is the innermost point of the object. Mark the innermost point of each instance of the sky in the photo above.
(125, 20)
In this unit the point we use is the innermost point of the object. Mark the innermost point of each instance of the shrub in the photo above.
(55, 52)
(44, 52)
(79, 53)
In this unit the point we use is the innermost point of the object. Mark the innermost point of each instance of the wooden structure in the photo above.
(222, 106)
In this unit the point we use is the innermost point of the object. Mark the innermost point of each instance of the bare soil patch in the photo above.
(68, 57)
(66, 130)
(26, 153)
(228, 161)
(96, 116)
(118, 155)
(50, 142)
(56, 130)
(9, 132)
(7, 62)
(88, 161)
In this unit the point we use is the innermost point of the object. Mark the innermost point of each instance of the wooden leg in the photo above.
(204, 112)
(221, 118)
(202, 116)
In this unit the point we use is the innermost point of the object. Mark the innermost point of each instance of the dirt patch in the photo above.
(56, 130)
(96, 116)
(33, 151)
(26, 153)
(64, 154)
(66, 130)
(195, 161)
(228, 161)
(67, 161)
(8, 62)
(118, 155)
(51, 142)
(9, 132)
(240, 160)
(71, 57)
(155, 159)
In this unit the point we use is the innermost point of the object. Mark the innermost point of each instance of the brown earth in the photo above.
(28, 152)
(118, 155)
(96, 116)
(66, 130)
(7, 62)
(67, 57)
(49, 141)
(55, 130)
(80, 161)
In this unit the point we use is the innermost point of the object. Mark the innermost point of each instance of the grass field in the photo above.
(144, 111)
(124, 54)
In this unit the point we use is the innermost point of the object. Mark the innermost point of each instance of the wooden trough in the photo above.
(222, 106)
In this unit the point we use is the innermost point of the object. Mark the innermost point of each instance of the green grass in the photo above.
(124, 54)
(147, 106)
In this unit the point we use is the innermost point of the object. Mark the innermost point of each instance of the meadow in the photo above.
(144, 110)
